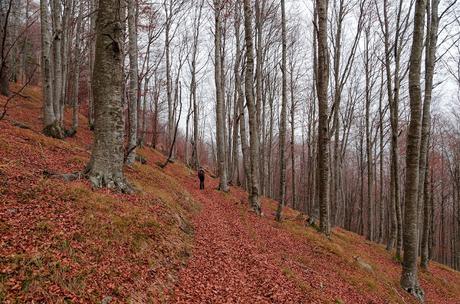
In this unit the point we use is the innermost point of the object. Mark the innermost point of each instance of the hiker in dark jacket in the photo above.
(201, 177)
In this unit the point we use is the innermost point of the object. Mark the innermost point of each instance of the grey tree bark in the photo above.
(430, 60)
(409, 278)
(105, 168)
(282, 136)
(77, 59)
(249, 91)
(323, 132)
(240, 97)
(133, 81)
(370, 175)
(57, 59)
(51, 125)
(220, 116)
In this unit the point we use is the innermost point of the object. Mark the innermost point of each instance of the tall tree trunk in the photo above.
(293, 185)
(5, 12)
(282, 140)
(381, 137)
(253, 127)
(57, 59)
(92, 50)
(323, 132)
(77, 59)
(370, 203)
(409, 279)
(133, 81)
(425, 254)
(430, 59)
(105, 168)
(144, 109)
(51, 124)
(220, 116)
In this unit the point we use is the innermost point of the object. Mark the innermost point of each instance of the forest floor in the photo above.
(64, 242)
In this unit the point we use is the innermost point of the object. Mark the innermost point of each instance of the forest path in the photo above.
(229, 264)
(239, 257)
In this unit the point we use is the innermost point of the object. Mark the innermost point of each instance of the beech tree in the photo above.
(220, 116)
(322, 72)
(282, 146)
(105, 168)
(133, 81)
(253, 128)
(409, 278)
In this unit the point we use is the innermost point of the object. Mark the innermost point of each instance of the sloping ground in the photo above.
(63, 242)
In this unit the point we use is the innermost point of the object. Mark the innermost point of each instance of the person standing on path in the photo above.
(201, 177)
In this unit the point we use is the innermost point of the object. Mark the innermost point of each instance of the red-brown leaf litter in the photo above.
(64, 242)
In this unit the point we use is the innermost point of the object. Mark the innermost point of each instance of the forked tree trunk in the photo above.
(51, 125)
(249, 91)
(105, 168)
(409, 278)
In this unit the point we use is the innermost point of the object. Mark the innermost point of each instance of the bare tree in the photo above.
(322, 72)
(51, 123)
(133, 81)
(282, 144)
(105, 168)
(409, 279)
(430, 60)
(249, 91)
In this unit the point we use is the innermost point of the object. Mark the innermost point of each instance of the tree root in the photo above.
(54, 130)
(118, 184)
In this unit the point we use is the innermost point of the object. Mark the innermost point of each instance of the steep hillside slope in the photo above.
(63, 242)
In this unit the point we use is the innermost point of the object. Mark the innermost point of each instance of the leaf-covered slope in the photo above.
(63, 242)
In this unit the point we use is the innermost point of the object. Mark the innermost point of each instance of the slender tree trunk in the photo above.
(293, 182)
(323, 133)
(370, 203)
(282, 140)
(75, 103)
(220, 116)
(133, 81)
(144, 109)
(430, 59)
(253, 127)
(409, 279)
(51, 124)
(57, 59)
(425, 254)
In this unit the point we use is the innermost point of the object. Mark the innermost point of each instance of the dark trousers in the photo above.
(201, 184)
